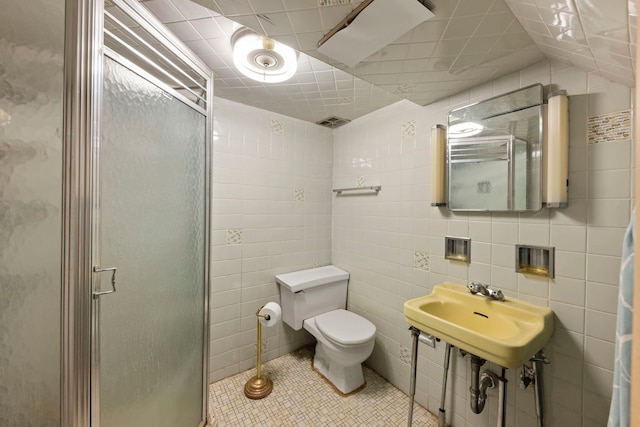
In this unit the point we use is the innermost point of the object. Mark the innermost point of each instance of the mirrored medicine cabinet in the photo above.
(494, 153)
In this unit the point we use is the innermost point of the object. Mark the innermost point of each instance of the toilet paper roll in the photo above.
(274, 312)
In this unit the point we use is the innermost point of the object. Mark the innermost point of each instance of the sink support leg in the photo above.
(538, 362)
(414, 367)
(441, 411)
(502, 399)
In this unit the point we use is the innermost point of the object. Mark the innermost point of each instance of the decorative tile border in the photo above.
(405, 354)
(409, 128)
(277, 126)
(406, 88)
(609, 127)
(298, 194)
(234, 237)
(421, 261)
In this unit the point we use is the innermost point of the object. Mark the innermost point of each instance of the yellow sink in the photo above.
(507, 332)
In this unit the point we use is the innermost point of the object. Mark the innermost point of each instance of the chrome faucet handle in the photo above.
(477, 288)
(496, 294)
(474, 287)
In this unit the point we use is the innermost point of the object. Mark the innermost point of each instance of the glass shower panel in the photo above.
(152, 228)
(31, 119)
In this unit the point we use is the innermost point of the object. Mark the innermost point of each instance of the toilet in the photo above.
(316, 300)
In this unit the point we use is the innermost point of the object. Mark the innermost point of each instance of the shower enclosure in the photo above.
(121, 338)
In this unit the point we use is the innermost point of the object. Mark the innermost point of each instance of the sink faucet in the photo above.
(485, 291)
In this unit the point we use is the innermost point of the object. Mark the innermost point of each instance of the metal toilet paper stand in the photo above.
(260, 385)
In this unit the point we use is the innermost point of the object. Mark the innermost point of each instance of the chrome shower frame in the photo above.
(83, 69)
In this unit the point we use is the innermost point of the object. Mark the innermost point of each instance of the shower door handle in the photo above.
(97, 269)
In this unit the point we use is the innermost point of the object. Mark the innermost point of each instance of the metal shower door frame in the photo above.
(84, 55)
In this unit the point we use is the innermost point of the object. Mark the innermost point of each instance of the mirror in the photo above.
(494, 154)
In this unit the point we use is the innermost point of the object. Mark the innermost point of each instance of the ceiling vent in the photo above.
(323, 3)
(333, 122)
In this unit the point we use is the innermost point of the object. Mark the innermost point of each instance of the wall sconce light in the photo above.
(555, 150)
(261, 58)
(438, 158)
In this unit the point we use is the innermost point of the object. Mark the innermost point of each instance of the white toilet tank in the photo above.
(307, 293)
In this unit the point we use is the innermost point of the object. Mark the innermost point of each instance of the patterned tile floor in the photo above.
(302, 397)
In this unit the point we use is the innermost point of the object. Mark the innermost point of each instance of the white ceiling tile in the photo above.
(592, 14)
(528, 11)
(225, 73)
(309, 41)
(429, 31)
(495, 23)
(464, 62)
(584, 62)
(249, 21)
(289, 40)
(305, 21)
(305, 77)
(499, 6)
(415, 65)
(445, 9)
(535, 26)
(324, 76)
(267, 6)
(420, 50)
(222, 47)
(164, 10)
(470, 8)
(191, 10)
(556, 18)
(564, 5)
(278, 23)
(449, 47)
(184, 30)
(226, 25)
(232, 8)
(300, 4)
(601, 46)
(480, 45)
(461, 27)
(207, 28)
(568, 35)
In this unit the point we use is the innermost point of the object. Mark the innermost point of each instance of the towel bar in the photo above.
(375, 188)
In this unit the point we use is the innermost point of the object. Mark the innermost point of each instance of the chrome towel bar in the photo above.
(375, 188)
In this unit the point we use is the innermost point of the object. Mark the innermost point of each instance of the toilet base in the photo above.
(345, 378)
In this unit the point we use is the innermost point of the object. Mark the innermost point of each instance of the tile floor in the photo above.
(301, 397)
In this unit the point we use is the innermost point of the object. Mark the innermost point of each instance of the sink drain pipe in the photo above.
(480, 384)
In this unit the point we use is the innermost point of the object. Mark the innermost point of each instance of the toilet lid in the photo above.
(345, 327)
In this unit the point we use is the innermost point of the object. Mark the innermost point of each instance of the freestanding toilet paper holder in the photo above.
(260, 385)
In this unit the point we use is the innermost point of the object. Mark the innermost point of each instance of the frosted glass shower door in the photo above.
(150, 332)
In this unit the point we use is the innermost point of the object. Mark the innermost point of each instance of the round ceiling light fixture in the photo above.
(261, 58)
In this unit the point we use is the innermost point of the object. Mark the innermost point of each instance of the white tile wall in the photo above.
(271, 214)
(375, 239)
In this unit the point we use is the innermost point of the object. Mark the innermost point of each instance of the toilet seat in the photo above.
(344, 327)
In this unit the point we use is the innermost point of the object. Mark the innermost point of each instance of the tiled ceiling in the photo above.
(468, 42)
